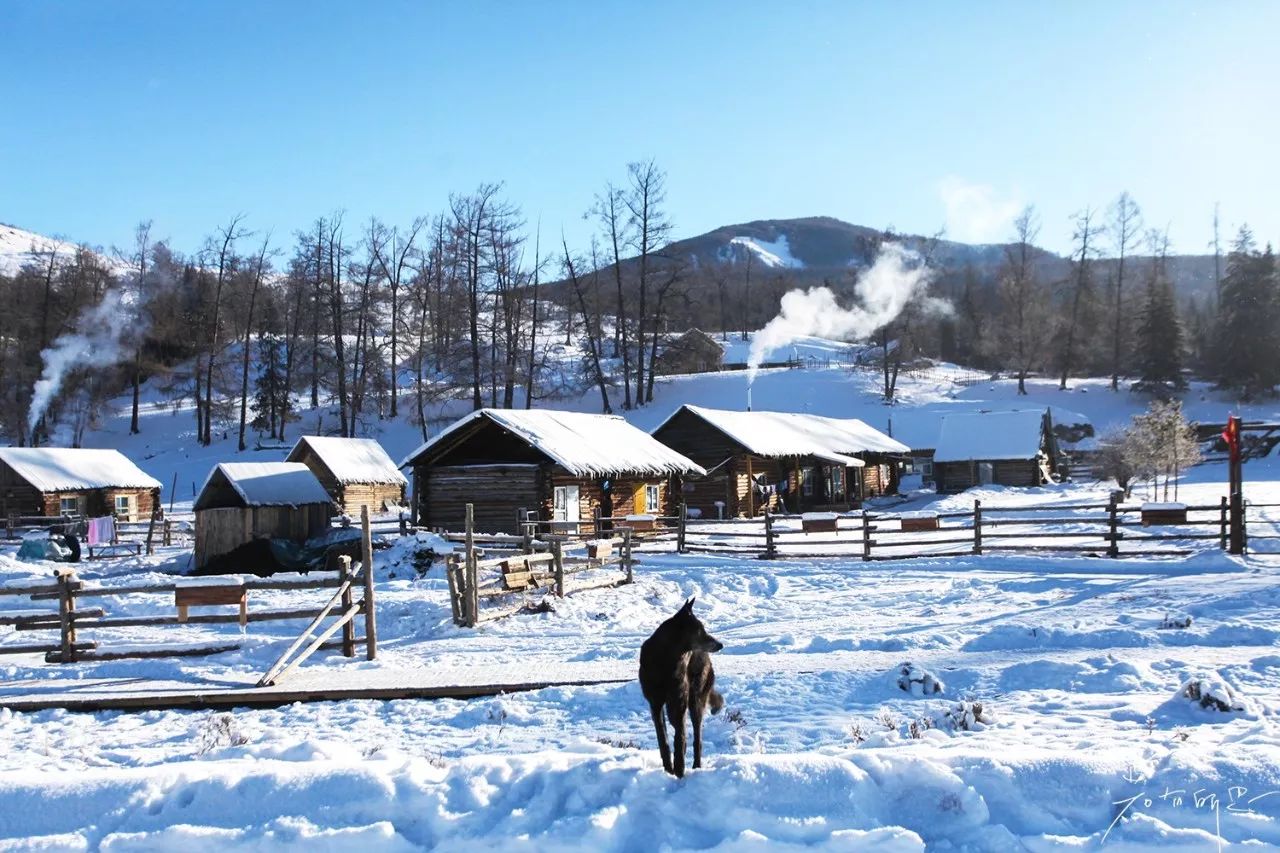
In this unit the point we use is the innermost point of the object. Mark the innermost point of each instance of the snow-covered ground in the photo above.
(1083, 741)
(1086, 741)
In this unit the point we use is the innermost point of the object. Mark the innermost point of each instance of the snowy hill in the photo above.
(19, 248)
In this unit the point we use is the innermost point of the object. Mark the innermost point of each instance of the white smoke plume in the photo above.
(896, 278)
(97, 341)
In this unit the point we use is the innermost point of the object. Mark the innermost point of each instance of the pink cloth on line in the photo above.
(101, 531)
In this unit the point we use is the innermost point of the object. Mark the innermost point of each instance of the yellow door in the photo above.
(638, 500)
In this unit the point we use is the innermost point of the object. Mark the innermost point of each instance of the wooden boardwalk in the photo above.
(318, 685)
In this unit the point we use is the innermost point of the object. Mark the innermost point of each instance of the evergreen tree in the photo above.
(1247, 352)
(1160, 337)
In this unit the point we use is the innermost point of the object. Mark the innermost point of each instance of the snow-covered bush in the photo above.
(969, 716)
(218, 731)
(918, 681)
(1211, 692)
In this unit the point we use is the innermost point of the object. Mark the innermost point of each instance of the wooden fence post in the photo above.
(557, 563)
(451, 571)
(66, 613)
(1222, 523)
(10, 524)
(1113, 528)
(977, 527)
(473, 594)
(404, 524)
(366, 557)
(680, 530)
(168, 532)
(770, 550)
(627, 562)
(866, 537)
(1244, 526)
(151, 530)
(348, 630)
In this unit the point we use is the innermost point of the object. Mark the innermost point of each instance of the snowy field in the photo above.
(1086, 743)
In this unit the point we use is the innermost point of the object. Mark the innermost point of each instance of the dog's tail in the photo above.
(716, 702)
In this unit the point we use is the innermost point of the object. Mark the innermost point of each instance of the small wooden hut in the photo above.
(355, 472)
(244, 501)
(53, 481)
(693, 351)
(777, 460)
(995, 448)
(561, 466)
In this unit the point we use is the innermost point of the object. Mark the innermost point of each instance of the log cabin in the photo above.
(244, 501)
(355, 472)
(779, 460)
(562, 467)
(693, 351)
(995, 448)
(73, 481)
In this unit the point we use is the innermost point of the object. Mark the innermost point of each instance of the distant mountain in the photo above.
(19, 247)
(824, 247)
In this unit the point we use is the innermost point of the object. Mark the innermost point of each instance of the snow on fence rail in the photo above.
(1108, 529)
(535, 560)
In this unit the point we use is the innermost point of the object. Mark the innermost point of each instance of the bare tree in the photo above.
(609, 211)
(395, 260)
(1085, 237)
(650, 230)
(593, 342)
(1023, 301)
(259, 267)
(1125, 228)
(224, 259)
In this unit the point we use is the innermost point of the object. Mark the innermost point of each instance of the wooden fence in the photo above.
(71, 618)
(1105, 529)
(534, 561)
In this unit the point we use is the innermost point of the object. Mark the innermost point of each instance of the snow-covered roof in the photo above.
(351, 460)
(777, 434)
(583, 444)
(263, 484)
(990, 435)
(53, 469)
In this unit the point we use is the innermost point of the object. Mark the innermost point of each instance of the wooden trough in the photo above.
(1163, 514)
(819, 522)
(919, 522)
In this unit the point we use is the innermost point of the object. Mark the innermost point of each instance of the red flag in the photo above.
(1231, 435)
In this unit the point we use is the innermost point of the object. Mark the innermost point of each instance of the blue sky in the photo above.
(912, 115)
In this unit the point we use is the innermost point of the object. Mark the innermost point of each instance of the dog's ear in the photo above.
(688, 606)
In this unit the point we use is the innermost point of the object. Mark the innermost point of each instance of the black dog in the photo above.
(675, 670)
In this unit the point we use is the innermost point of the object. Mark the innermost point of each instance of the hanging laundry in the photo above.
(102, 531)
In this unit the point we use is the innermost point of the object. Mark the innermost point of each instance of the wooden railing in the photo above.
(529, 563)
(1109, 529)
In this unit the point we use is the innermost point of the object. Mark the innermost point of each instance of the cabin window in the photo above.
(123, 508)
(69, 506)
(652, 499)
(806, 478)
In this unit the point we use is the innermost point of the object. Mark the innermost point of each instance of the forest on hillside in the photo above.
(381, 320)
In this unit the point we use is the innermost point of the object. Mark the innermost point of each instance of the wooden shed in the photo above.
(355, 472)
(53, 481)
(244, 501)
(995, 448)
(562, 466)
(777, 459)
(693, 351)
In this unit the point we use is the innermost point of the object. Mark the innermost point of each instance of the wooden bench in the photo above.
(600, 550)
(1160, 514)
(819, 523)
(213, 595)
(517, 574)
(114, 549)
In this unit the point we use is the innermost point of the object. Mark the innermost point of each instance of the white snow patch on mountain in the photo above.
(772, 254)
(19, 248)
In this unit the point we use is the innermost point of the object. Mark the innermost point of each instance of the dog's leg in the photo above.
(695, 719)
(655, 709)
(676, 714)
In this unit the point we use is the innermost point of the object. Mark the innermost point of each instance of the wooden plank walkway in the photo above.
(236, 691)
